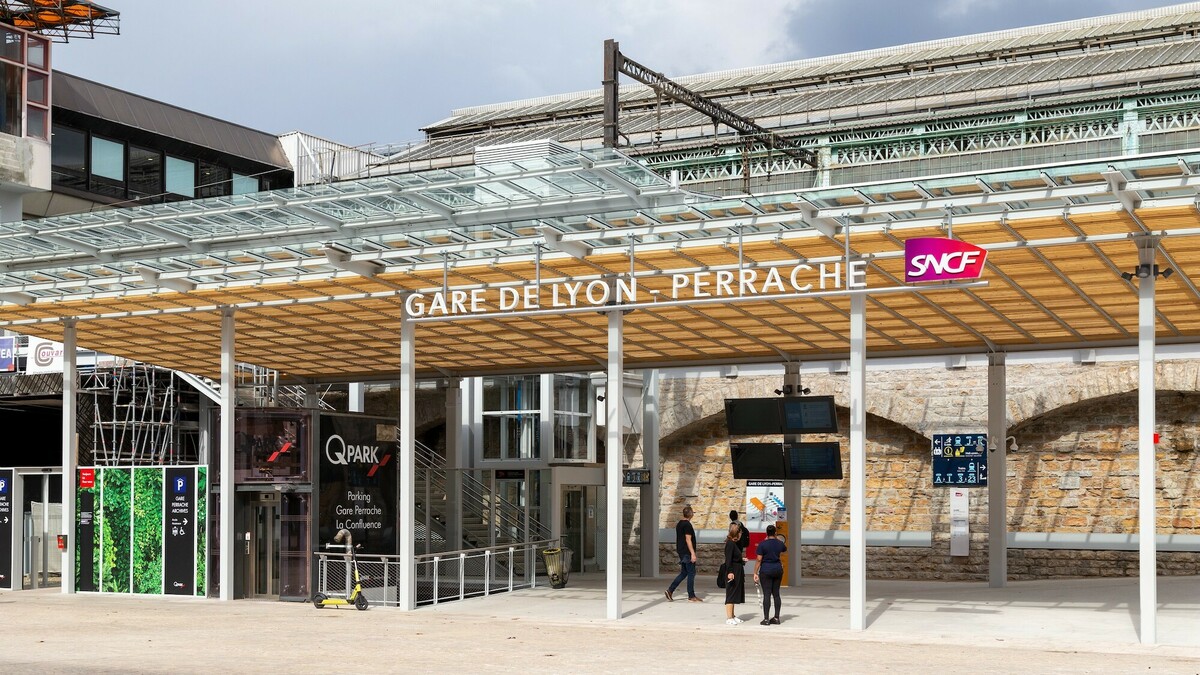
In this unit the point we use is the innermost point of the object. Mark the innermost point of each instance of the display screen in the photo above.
(757, 461)
(809, 415)
(809, 461)
(752, 416)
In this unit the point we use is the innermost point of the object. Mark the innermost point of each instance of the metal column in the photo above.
(858, 462)
(455, 459)
(613, 458)
(1147, 565)
(70, 455)
(227, 543)
(791, 488)
(997, 469)
(650, 493)
(407, 582)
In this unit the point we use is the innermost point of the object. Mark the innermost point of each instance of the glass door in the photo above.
(573, 524)
(261, 546)
(41, 525)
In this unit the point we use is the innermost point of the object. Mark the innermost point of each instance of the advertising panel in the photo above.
(44, 356)
(8, 354)
(358, 481)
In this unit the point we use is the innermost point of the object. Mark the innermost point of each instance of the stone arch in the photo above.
(1031, 397)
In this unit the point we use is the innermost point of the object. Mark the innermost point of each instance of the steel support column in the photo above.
(455, 459)
(791, 488)
(407, 582)
(650, 493)
(997, 471)
(227, 545)
(858, 462)
(70, 454)
(1147, 565)
(613, 458)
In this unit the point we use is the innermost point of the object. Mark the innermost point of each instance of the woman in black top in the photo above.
(735, 575)
(768, 570)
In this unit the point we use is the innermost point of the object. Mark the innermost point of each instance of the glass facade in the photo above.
(572, 418)
(271, 447)
(511, 417)
(125, 170)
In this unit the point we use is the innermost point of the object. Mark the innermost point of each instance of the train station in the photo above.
(927, 307)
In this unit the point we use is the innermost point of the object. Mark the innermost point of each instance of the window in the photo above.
(37, 53)
(572, 418)
(244, 185)
(511, 417)
(145, 174)
(68, 158)
(10, 90)
(35, 123)
(13, 48)
(181, 177)
(108, 167)
(37, 88)
(214, 180)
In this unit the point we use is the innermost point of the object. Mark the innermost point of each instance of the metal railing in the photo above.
(441, 577)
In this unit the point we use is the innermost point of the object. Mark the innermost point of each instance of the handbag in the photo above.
(722, 573)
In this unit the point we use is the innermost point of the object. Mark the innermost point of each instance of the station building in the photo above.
(477, 292)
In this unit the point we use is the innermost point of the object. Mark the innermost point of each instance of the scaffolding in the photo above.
(138, 417)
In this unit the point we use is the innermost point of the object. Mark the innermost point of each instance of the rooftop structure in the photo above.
(61, 19)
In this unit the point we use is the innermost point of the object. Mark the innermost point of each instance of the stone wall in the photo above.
(1075, 469)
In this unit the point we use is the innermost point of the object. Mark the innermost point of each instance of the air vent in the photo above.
(517, 152)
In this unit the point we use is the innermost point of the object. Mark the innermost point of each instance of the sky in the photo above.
(366, 73)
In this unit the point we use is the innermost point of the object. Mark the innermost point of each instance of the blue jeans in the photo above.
(687, 569)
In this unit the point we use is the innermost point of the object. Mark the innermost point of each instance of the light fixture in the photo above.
(1012, 443)
(1145, 271)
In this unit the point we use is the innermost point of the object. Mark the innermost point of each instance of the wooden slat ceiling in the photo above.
(347, 327)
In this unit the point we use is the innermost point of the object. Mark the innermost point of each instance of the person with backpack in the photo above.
(743, 539)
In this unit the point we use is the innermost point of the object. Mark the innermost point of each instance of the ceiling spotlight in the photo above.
(1127, 276)
(1144, 271)
(1167, 273)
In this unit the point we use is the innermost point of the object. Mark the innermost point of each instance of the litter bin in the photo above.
(558, 565)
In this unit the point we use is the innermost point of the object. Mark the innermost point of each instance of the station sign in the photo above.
(179, 531)
(959, 460)
(6, 530)
(941, 259)
(635, 477)
(8, 354)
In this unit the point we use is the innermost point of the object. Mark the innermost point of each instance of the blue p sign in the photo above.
(180, 485)
(3, 486)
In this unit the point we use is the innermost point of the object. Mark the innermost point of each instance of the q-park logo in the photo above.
(940, 259)
(337, 451)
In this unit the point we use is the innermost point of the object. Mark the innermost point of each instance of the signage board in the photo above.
(85, 534)
(813, 461)
(775, 415)
(358, 482)
(959, 460)
(87, 478)
(637, 477)
(44, 356)
(8, 354)
(941, 259)
(6, 530)
(179, 531)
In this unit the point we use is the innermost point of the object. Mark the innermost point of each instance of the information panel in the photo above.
(85, 535)
(358, 481)
(179, 531)
(6, 529)
(959, 460)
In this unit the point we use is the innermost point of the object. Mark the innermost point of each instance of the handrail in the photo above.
(475, 551)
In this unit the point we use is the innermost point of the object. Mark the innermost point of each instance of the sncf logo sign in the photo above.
(938, 259)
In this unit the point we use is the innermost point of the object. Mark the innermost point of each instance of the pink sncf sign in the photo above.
(940, 259)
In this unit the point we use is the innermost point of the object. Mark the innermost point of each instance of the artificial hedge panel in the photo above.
(115, 505)
(147, 530)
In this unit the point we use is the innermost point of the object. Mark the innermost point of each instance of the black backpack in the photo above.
(743, 541)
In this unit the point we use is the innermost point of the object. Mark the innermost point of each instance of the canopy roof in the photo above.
(317, 276)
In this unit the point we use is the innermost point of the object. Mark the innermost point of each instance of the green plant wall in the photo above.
(201, 529)
(147, 530)
(116, 514)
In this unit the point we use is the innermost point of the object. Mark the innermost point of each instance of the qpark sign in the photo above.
(940, 259)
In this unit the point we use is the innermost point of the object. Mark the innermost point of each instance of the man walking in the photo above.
(685, 544)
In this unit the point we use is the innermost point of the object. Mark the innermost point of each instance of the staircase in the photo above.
(487, 519)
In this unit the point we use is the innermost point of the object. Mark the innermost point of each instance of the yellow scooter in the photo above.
(356, 597)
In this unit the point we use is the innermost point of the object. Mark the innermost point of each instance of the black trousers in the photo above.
(770, 585)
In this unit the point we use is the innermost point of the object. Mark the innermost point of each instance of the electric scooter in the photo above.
(356, 597)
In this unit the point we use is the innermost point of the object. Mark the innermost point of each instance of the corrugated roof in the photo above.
(121, 107)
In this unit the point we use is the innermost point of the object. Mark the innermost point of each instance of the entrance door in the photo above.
(583, 515)
(260, 546)
(42, 505)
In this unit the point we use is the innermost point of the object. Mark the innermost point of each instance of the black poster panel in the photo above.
(358, 479)
(6, 529)
(85, 538)
(179, 531)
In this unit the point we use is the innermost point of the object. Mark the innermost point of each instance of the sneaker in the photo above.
(738, 620)
(731, 622)
(775, 621)
(670, 598)
(695, 598)
(764, 622)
